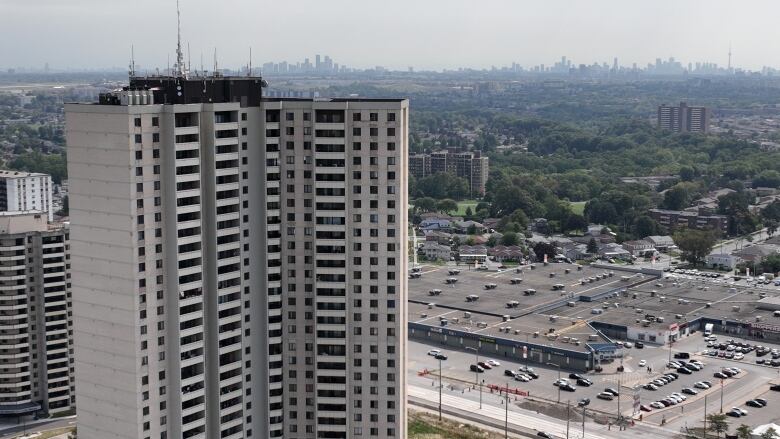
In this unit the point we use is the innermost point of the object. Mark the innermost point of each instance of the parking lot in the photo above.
(752, 382)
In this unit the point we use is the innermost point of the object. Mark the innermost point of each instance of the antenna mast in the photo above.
(181, 70)
(250, 61)
(132, 61)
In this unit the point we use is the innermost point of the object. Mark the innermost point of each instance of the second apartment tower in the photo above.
(239, 263)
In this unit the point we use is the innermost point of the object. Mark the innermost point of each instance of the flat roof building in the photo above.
(26, 191)
(239, 262)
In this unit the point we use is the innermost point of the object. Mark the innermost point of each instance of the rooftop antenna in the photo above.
(180, 68)
(201, 62)
(168, 64)
(132, 61)
(250, 61)
(189, 58)
(216, 65)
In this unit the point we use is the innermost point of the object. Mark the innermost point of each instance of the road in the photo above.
(42, 425)
(458, 381)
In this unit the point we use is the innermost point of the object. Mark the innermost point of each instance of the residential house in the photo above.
(439, 236)
(435, 224)
(639, 248)
(464, 226)
(755, 254)
(616, 251)
(662, 243)
(672, 219)
(506, 253)
(435, 251)
(722, 261)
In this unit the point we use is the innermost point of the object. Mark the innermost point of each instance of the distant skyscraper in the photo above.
(684, 118)
(240, 264)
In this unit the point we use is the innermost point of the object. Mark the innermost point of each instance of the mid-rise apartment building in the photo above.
(239, 263)
(35, 316)
(673, 219)
(684, 118)
(26, 191)
(471, 165)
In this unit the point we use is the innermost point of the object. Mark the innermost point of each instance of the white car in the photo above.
(739, 356)
(434, 352)
(523, 378)
(743, 411)
(642, 363)
(701, 385)
(680, 395)
(493, 362)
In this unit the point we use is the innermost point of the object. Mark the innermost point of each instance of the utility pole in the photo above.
(704, 433)
(618, 396)
(439, 389)
(721, 395)
(506, 416)
(568, 416)
(476, 371)
(583, 421)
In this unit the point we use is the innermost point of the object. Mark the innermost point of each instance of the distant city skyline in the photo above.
(432, 35)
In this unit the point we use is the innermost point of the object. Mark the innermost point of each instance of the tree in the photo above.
(447, 205)
(469, 213)
(770, 433)
(575, 222)
(744, 431)
(472, 230)
(717, 423)
(768, 178)
(695, 244)
(425, 204)
(771, 227)
(601, 212)
(593, 246)
(510, 238)
(544, 248)
(645, 226)
(687, 173)
(678, 197)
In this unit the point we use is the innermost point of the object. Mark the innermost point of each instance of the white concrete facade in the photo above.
(25, 191)
(188, 260)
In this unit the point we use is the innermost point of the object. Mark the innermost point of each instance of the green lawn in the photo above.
(462, 205)
(578, 207)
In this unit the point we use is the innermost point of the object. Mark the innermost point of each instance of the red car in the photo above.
(485, 365)
(645, 408)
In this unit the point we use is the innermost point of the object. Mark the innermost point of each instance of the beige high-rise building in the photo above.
(684, 118)
(471, 165)
(35, 323)
(239, 263)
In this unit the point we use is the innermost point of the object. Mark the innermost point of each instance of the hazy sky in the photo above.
(398, 33)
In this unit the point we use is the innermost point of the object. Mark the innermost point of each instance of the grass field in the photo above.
(578, 207)
(427, 426)
(462, 205)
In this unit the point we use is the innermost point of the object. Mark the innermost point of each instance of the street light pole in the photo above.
(568, 417)
(583, 421)
(506, 416)
(705, 417)
(559, 379)
(439, 389)
(476, 371)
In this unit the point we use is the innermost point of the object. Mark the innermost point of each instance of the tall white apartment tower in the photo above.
(26, 192)
(239, 264)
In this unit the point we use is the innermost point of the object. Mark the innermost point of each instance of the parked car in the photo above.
(645, 408)
(440, 357)
(611, 391)
(584, 382)
(583, 402)
(476, 368)
(734, 413)
(434, 352)
(510, 373)
(642, 363)
(689, 391)
(485, 365)
(754, 403)
(522, 378)
(493, 363)
(720, 375)
(657, 405)
(684, 370)
(575, 376)
(639, 345)
(567, 387)
(606, 396)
